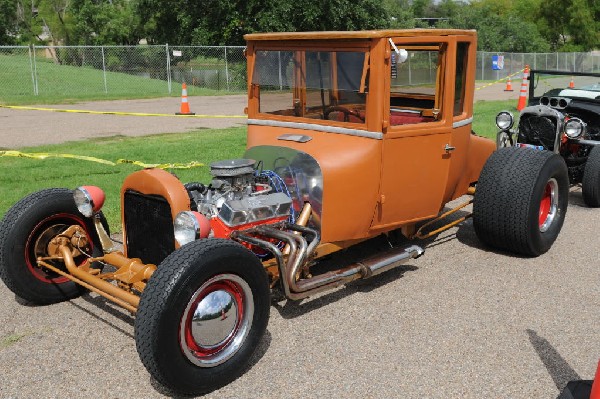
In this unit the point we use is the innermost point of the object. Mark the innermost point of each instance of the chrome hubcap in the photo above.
(216, 320)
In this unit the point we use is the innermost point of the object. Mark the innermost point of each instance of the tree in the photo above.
(8, 27)
(499, 27)
(226, 21)
(570, 25)
(105, 22)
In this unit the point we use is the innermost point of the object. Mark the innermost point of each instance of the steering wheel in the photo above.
(346, 111)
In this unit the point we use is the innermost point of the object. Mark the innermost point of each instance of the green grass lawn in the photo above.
(68, 84)
(484, 116)
(22, 176)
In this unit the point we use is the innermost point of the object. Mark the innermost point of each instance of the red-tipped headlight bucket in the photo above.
(89, 200)
(189, 226)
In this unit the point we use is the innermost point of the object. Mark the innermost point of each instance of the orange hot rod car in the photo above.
(351, 135)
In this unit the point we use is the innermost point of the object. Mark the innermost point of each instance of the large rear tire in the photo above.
(521, 200)
(202, 316)
(25, 232)
(591, 179)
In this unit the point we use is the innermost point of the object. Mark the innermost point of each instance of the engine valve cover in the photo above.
(255, 208)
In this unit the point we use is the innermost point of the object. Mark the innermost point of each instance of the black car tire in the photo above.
(184, 349)
(521, 200)
(46, 211)
(591, 179)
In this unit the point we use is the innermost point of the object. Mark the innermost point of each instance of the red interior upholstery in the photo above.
(406, 118)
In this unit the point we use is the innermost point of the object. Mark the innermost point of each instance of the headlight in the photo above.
(189, 226)
(89, 200)
(504, 120)
(574, 128)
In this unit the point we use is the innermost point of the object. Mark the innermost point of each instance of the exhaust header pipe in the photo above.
(301, 253)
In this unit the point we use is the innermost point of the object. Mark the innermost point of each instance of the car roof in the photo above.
(367, 34)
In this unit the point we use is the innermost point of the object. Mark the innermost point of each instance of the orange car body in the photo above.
(385, 172)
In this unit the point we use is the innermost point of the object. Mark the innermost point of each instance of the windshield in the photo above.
(549, 84)
(328, 85)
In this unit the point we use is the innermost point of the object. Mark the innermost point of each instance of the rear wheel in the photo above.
(25, 232)
(521, 200)
(591, 179)
(202, 315)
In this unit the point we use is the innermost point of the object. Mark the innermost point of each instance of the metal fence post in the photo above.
(104, 71)
(168, 68)
(483, 65)
(36, 90)
(31, 68)
(226, 70)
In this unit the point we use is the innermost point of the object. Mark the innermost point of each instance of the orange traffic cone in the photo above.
(508, 85)
(572, 83)
(185, 106)
(524, 86)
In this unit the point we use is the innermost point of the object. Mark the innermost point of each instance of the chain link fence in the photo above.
(511, 63)
(91, 72)
(36, 73)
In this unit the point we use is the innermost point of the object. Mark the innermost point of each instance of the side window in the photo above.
(461, 76)
(415, 95)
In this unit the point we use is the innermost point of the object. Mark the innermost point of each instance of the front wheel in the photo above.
(202, 315)
(521, 200)
(25, 234)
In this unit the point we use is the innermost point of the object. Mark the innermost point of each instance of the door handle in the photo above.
(449, 148)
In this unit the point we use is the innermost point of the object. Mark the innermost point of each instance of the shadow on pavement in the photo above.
(563, 375)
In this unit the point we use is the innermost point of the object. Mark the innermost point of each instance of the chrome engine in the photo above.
(238, 195)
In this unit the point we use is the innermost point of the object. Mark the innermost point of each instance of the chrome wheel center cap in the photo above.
(215, 319)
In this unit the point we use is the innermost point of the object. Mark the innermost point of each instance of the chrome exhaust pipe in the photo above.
(300, 253)
(361, 270)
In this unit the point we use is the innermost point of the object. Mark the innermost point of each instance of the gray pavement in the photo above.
(460, 322)
(21, 128)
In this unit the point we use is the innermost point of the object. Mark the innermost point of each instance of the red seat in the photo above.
(406, 118)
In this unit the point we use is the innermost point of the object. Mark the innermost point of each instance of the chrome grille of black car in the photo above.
(149, 227)
(538, 130)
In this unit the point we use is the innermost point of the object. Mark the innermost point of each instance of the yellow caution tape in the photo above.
(44, 155)
(500, 80)
(84, 111)
(188, 165)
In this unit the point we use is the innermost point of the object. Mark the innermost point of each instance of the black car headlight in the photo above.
(574, 128)
(504, 120)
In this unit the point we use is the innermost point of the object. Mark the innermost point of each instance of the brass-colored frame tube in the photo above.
(96, 282)
(90, 287)
(419, 234)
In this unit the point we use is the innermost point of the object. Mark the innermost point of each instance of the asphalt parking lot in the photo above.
(459, 322)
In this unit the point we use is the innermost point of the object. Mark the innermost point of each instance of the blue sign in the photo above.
(497, 62)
